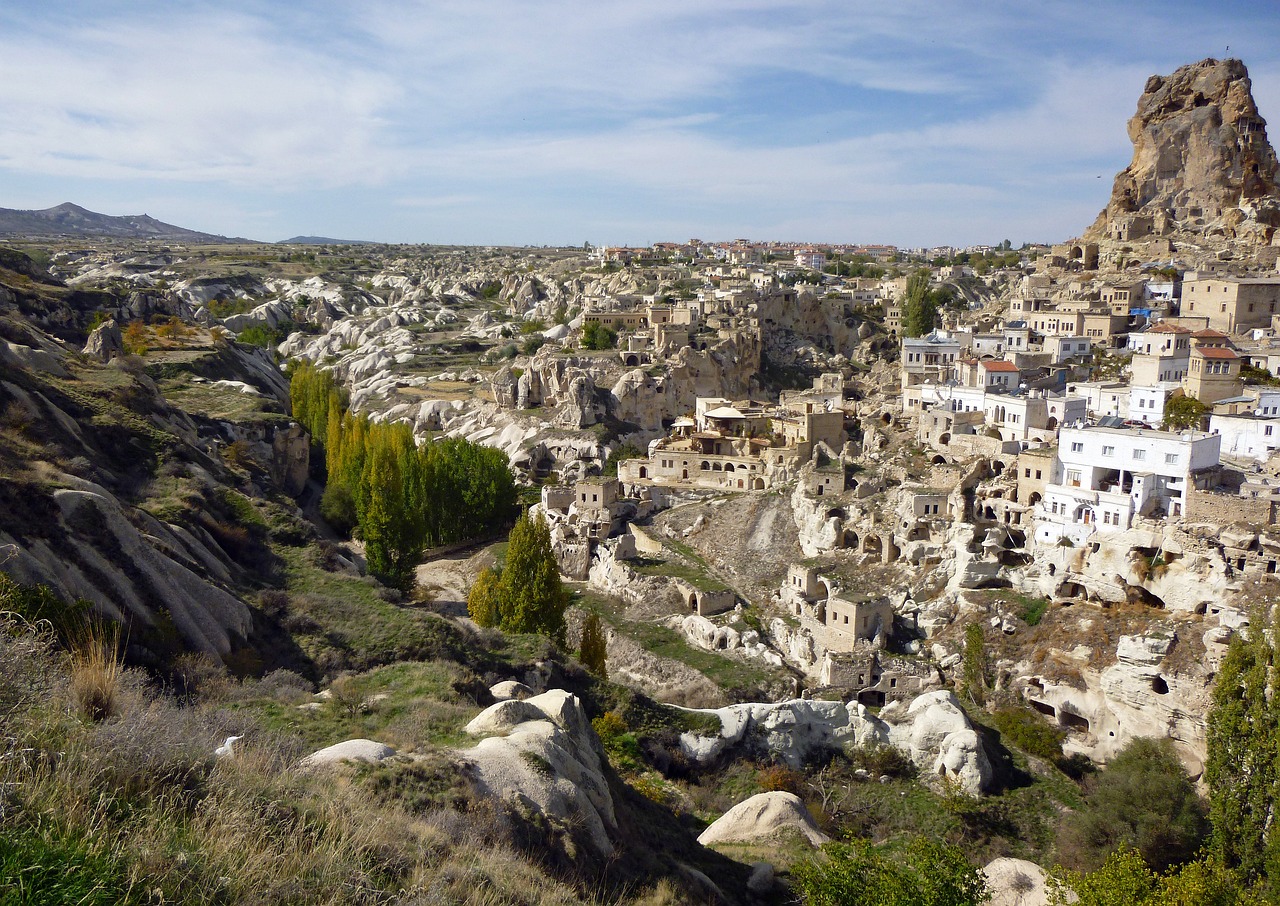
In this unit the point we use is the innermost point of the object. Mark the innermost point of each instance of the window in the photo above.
(1108, 450)
(1171, 459)
(1077, 446)
(1073, 478)
(1267, 430)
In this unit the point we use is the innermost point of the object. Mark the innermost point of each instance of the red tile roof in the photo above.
(1162, 327)
(999, 365)
(1216, 352)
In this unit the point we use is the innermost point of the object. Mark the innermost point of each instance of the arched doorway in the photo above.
(644, 472)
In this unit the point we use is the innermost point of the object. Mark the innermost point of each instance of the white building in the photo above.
(1146, 402)
(1247, 436)
(931, 357)
(1062, 349)
(1105, 477)
(1103, 398)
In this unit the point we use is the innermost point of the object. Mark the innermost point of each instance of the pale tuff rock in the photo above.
(1201, 161)
(365, 751)
(541, 754)
(162, 563)
(510, 689)
(933, 731)
(105, 343)
(1016, 882)
(766, 816)
(1133, 698)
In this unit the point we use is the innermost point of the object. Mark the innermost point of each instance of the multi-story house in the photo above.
(1160, 354)
(1064, 349)
(1231, 304)
(1147, 401)
(1247, 436)
(1103, 398)
(929, 358)
(1104, 478)
(1213, 374)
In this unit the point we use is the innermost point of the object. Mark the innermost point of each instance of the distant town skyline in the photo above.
(916, 124)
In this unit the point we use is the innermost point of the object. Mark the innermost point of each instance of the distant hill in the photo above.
(71, 221)
(322, 240)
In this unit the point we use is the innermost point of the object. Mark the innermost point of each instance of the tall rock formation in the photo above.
(1201, 165)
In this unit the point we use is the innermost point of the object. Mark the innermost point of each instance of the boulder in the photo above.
(510, 689)
(362, 750)
(1016, 882)
(541, 756)
(105, 343)
(935, 732)
(765, 816)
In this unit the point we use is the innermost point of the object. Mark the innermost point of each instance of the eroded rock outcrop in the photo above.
(1201, 160)
(932, 730)
(541, 755)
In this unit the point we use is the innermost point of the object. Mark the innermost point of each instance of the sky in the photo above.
(558, 122)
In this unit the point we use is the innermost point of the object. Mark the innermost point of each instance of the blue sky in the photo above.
(913, 122)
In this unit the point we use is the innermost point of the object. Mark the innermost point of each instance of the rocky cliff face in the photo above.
(1201, 161)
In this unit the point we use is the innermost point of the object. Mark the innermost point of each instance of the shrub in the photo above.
(923, 872)
(778, 778)
(1143, 800)
(1022, 727)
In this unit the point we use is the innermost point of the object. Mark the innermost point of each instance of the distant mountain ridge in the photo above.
(71, 220)
(322, 240)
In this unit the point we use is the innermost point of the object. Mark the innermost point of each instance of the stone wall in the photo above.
(1225, 509)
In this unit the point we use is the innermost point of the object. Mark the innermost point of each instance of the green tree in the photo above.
(596, 336)
(1123, 880)
(484, 602)
(593, 645)
(1183, 412)
(535, 595)
(528, 595)
(923, 873)
(919, 307)
(1243, 765)
(975, 664)
(1144, 801)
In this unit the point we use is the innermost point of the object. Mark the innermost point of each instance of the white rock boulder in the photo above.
(766, 816)
(935, 732)
(361, 750)
(542, 755)
(1016, 882)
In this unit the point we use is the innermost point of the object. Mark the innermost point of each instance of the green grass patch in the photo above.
(42, 866)
(210, 400)
(407, 705)
(730, 675)
(674, 569)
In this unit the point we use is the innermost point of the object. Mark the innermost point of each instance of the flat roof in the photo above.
(1143, 432)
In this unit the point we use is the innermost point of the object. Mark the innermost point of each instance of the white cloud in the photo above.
(215, 98)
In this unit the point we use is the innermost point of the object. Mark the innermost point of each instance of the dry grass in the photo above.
(110, 793)
(96, 671)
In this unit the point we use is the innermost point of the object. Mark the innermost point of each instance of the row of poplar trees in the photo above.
(399, 497)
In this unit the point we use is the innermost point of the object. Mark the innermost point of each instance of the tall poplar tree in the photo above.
(1243, 765)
